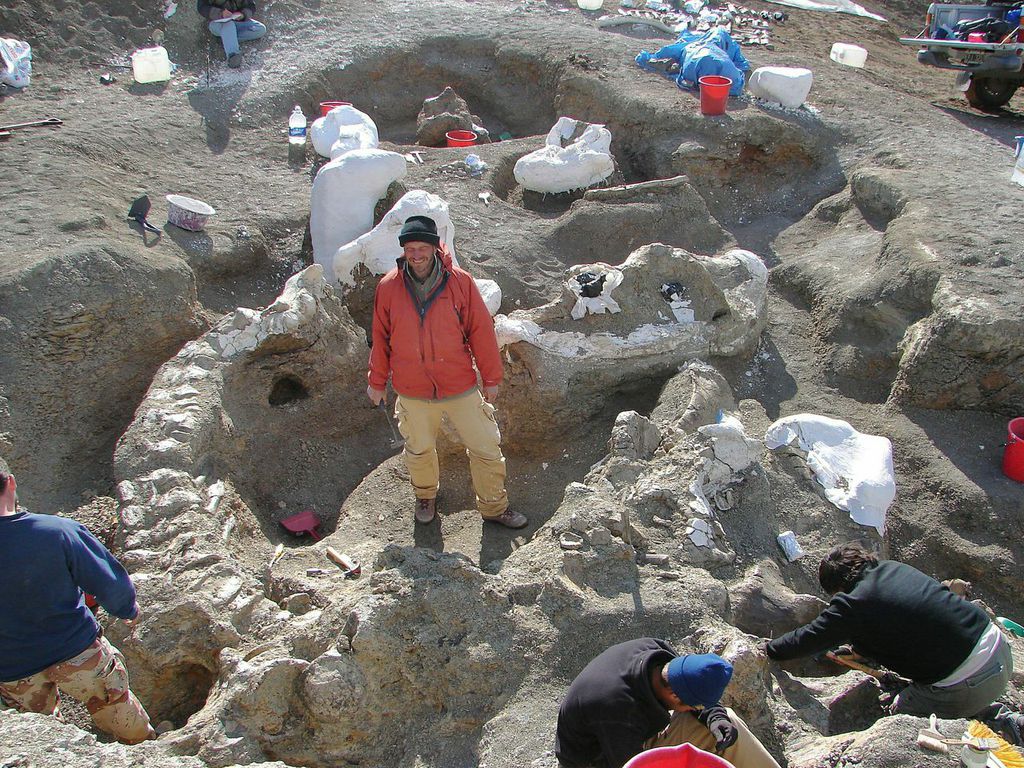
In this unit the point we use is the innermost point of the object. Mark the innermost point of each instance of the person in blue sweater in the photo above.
(49, 640)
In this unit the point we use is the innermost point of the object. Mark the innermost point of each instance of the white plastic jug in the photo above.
(1018, 167)
(850, 55)
(151, 65)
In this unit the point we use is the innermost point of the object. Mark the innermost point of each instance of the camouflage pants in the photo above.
(97, 677)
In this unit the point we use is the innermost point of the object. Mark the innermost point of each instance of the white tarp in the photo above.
(834, 6)
(855, 469)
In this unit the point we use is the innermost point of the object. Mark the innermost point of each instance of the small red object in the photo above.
(461, 138)
(327, 106)
(977, 37)
(714, 93)
(1013, 455)
(683, 756)
(305, 521)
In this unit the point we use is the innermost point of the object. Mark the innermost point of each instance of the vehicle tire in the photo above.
(989, 93)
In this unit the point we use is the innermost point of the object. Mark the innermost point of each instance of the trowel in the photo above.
(139, 211)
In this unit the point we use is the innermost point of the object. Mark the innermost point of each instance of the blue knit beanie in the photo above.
(699, 679)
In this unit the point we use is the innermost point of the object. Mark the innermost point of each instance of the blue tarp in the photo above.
(712, 53)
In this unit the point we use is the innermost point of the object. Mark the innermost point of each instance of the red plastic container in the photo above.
(714, 93)
(327, 106)
(1013, 455)
(460, 138)
(977, 37)
(683, 756)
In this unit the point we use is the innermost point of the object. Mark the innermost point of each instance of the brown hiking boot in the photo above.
(510, 519)
(425, 510)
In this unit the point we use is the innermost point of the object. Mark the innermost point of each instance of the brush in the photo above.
(929, 738)
(1005, 753)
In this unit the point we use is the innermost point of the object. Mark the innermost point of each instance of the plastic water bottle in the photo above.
(297, 126)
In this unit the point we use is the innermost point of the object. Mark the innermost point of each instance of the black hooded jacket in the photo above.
(610, 709)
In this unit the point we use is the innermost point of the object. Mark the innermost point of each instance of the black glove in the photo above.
(716, 720)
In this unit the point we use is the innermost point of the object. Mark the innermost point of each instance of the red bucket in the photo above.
(683, 756)
(327, 106)
(460, 138)
(1013, 455)
(714, 93)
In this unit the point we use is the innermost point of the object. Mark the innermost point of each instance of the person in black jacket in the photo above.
(232, 21)
(956, 657)
(639, 695)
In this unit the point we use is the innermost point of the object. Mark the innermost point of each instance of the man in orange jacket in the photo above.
(430, 325)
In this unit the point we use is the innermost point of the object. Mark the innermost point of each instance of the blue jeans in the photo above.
(230, 32)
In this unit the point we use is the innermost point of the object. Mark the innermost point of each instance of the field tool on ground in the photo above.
(5, 130)
(396, 440)
(348, 566)
(139, 211)
(302, 523)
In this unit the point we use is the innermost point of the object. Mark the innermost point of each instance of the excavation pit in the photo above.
(508, 88)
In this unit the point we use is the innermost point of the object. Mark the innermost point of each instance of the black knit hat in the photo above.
(419, 229)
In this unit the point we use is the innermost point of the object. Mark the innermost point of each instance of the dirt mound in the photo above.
(884, 212)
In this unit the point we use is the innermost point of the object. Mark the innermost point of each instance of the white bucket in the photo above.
(590, 5)
(850, 55)
(151, 65)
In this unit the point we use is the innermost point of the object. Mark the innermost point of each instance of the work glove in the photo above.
(722, 729)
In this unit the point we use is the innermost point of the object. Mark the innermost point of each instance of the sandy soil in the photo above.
(217, 134)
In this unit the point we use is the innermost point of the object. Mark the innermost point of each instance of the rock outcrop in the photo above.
(443, 113)
(674, 306)
(83, 334)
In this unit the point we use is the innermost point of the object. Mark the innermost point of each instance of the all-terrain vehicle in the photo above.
(984, 43)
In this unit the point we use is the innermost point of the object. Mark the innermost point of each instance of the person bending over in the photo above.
(641, 694)
(956, 658)
(49, 640)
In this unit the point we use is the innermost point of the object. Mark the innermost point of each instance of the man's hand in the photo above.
(491, 393)
(722, 729)
(132, 623)
(376, 395)
(226, 14)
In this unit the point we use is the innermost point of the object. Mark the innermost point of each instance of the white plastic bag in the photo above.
(17, 62)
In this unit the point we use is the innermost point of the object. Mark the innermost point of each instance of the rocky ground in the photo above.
(891, 231)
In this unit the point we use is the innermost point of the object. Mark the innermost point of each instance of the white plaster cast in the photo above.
(854, 468)
(556, 168)
(297, 304)
(344, 194)
(491, 293)
(347, 125)
(787, 86)
(730, 443)
(378, 248)
(594, 305)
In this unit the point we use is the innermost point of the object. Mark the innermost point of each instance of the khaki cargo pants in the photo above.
(96, 677)
(473, 418)
(685, 728)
